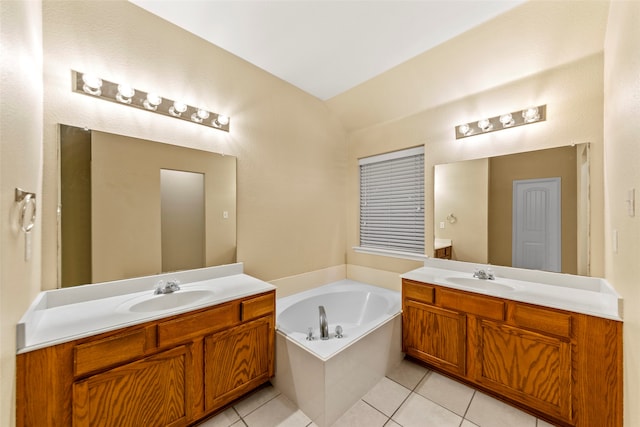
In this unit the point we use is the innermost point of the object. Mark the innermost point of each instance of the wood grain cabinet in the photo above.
(444, 252)
(169, 372)
(562, 366)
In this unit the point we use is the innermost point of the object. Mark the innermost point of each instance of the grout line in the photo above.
(370, 405)
(469, 404)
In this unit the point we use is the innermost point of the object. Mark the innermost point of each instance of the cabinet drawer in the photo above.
(471, 304)
(257, 307)
(417, 291)
(187, 327)
(107, 352)
(541, 319)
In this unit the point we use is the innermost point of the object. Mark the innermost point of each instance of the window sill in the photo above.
(390, 253)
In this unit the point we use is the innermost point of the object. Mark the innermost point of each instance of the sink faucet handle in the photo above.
(159, 288)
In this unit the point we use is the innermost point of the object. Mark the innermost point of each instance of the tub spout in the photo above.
(324, 325)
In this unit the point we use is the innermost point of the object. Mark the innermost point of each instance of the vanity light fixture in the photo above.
(517, 118)
(125, 94)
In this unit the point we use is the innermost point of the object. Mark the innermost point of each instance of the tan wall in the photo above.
(622, 154)
(290, 149)
(462, 189)
(566, 90)
(20, 166)
(556, 162)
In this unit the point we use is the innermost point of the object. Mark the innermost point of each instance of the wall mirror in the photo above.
(528, 210)
(131, 207)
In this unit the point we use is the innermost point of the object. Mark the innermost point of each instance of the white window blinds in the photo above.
(392, 201)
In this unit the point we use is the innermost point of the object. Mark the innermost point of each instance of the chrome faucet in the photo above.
(324, 325)
(166, 288)
(484, 274)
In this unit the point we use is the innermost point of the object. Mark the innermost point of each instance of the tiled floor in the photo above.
(411, 396)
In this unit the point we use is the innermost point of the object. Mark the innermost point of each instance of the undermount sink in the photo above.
(488, 285)
(150, 303)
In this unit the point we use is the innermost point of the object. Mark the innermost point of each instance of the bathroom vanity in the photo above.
(546, 342)
(144, 359)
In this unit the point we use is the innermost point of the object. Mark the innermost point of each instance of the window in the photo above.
(392, 201)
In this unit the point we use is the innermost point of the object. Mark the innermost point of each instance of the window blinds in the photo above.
(392, 201)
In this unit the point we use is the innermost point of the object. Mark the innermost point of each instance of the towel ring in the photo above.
(27, 218)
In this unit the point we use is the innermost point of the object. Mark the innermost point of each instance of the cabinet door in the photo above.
(532, 368)
(150, 392)
(237, 360)
(435, 335)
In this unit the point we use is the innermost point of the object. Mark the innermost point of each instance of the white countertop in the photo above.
(67, 314)
(441, 243)
(581, 294)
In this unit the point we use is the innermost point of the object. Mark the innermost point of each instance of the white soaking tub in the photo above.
(326, 377)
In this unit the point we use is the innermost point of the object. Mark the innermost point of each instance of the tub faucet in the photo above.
(324, 325)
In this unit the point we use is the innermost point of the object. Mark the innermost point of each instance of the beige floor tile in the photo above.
(256, 399)
(408, 374)
(361, 415)
(485, 411)
(392, 423)
(386, 396)
(223, 419)
(278, 412)
(467, 423)
(543, 423)
(446, 392)
(418, 411)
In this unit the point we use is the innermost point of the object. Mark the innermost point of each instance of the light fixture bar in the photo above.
(503, 121)
(126, 95)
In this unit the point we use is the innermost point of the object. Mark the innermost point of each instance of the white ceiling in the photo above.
(326, 47)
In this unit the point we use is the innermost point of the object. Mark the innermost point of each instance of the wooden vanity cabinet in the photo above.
(562, 366)
(169, 372)
(444, 253)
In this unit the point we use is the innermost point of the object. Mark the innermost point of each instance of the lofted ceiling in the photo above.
(326, 47)
(373, 61)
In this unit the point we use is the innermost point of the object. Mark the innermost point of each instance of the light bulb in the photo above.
(485, 125)
(92, 84)
(464, 129)
(177, 108)
(152, 101)
(506, 120)
(221, 120)
(200, 115)
(530, 114)
(125, 93)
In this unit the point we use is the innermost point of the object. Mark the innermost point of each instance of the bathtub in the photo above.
(324, 378)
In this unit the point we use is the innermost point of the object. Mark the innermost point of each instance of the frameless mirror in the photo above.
(132, 207)
(528, 210)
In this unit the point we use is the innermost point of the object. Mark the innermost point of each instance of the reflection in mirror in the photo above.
(507, 213)
(111, 200)
(182, 219)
